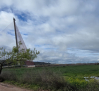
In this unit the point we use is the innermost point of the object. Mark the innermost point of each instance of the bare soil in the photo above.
(7, 87)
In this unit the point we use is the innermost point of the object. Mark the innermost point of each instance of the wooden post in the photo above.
(15, 33)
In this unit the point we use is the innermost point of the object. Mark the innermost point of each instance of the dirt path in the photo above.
(7, 87)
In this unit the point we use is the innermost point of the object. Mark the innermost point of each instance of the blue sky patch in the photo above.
(24, 16)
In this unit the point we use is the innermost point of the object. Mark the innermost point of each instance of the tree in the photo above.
(2, 54)
(16, 57)
(19, 57)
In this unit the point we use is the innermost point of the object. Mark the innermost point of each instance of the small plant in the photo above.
(92, 86)
(9, 76)
(78, 83)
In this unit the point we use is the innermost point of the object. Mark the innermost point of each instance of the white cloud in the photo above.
(5, 19)
(62, 24)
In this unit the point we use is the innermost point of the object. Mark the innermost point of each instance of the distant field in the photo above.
(74, 74)
(69, 71)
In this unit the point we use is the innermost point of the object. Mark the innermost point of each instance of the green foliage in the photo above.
(17, 57)
(44, 79)
(15, 50)
(77, 82)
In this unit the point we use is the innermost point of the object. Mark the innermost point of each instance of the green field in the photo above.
(71, 71)
(74, 75)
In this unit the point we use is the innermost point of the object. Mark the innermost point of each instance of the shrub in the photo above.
(52, 80)
(45, 79)
(1, 79)
(9, 76)
(30, 78)
(92, 86)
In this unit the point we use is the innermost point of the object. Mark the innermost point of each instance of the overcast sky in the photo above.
(64, 31)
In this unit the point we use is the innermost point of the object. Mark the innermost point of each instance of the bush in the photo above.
(92, 86)
(1, 79)
(7, 75)
(51, 80)
(30, 78)
(45, 79)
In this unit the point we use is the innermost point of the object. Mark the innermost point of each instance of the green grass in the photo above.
(73, 75)
(71, 71)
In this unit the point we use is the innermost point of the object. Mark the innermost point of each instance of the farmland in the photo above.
(73, 75)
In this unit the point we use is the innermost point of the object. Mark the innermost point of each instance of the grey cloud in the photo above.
(62, 24)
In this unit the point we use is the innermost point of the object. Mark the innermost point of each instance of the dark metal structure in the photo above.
(19, 40)
(15, 32)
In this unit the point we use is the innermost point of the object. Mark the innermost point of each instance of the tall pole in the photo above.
(15, 33)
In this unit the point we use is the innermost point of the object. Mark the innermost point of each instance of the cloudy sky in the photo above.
(64, 31)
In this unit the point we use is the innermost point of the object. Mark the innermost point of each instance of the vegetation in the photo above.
(64, 78)
(16, 56)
